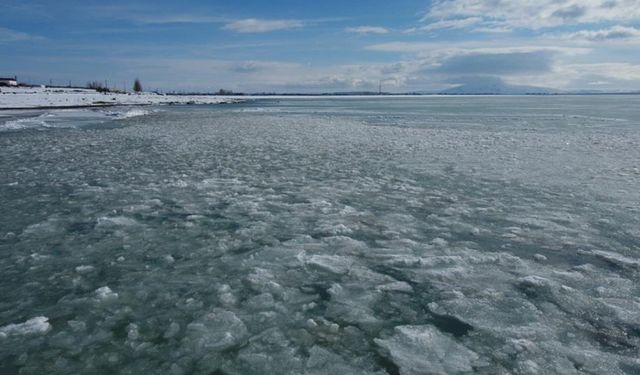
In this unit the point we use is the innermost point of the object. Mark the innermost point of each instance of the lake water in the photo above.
(433, 235)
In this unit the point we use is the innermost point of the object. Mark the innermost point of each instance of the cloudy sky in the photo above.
(329, 45)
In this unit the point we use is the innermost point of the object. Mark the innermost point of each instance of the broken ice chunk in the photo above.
(614, 258)
(262, 280)
(216, 331)
(331, 263)
(441, 242)
(352, 303)
(133, 332)
(84, 269)
(425, 350)
(173, 330)
(77, 325)
(263, 301)
(116, 221)
(105, 293)
(539, 258)
(324, 362)
(35, 326)
(311, 324)
(396, 286)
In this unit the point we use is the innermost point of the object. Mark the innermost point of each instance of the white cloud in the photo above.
(498, 64)
(433, 48)
(490, 29)
(415, 74)
(253, 25)
(256, 76)
(535, 14)
(617, 71)
(402, 46)
(177, 18)
(451, 24)
(257, 67)
(367, 30)
(615, 33)
(570, 76)
(430, 72)
(8, 35)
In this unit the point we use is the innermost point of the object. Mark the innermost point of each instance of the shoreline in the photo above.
(18, 99)
(71, 107)
(109, 105)
(47, 99)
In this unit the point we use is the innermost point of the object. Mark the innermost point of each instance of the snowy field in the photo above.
(63, 97)
(488, 235)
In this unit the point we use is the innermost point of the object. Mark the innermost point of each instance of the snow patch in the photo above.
(34, 326)
(105, 294)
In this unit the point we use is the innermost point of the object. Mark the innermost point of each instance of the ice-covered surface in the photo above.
(66, 97)
(490, 235)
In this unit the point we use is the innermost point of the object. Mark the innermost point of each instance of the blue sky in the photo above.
(312, 46)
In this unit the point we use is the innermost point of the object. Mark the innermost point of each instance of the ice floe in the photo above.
(34, 326)
(425, 350)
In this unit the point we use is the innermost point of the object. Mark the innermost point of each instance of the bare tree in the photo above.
(137, 86)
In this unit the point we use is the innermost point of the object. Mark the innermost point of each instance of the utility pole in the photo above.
(380, 87)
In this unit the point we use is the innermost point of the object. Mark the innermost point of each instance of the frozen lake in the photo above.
(434, 235)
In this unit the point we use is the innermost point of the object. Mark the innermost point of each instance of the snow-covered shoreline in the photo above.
(60, 98)
(51, 98)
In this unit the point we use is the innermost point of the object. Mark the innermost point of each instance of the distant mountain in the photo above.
(494, 86)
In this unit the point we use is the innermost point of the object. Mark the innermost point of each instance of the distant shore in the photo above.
(33, 98)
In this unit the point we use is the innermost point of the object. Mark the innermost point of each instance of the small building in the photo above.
(9, 81)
